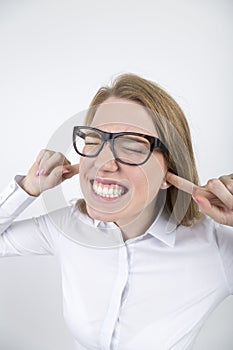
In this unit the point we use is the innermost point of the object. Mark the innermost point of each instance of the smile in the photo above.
(108, 190)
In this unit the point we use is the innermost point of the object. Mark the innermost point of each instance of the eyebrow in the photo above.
(139, 138)
(92, 133)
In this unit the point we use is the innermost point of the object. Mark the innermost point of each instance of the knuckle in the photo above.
(67, 161)
(59, 156)
(229, 186)
(222, 178)
(212, 183)
(43, 162)
(40, 154)
(47, 153)
(44, 150)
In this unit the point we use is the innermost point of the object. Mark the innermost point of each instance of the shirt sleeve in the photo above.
(26, 237)
(224, 236)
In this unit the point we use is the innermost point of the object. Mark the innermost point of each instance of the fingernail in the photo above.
(41, 172)
(37, 173)
(195, 200)
(66, 171)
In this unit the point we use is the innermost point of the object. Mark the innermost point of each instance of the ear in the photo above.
(165, 185)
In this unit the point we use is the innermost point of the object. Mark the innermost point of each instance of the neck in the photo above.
(140, 223)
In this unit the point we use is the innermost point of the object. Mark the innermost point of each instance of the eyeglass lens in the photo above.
(128, 148)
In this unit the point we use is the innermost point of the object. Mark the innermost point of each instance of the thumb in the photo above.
(202, 202)
(74, 169)
(215, 212)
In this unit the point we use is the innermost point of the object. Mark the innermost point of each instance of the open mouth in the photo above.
(108, 188)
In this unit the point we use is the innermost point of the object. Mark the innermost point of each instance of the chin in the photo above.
(102, 216)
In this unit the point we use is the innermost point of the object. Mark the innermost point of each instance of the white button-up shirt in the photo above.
(151, 292)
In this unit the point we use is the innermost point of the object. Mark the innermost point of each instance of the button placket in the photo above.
(111, 320)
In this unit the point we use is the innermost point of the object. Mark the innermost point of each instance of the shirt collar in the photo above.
(164, 229)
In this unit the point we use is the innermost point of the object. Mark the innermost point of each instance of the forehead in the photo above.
(123, 115)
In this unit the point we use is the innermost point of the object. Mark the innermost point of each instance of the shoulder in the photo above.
(67, 214)
(67, 221)
(206, 229)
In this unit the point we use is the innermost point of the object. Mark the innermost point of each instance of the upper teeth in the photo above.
(109, 191)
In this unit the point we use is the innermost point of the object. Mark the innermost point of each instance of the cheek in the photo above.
(82, 161)
(84, 169)
(155, 173)
(85, 164)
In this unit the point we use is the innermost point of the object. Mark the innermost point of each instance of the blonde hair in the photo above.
(173, 129)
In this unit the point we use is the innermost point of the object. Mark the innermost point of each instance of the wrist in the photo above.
(27, 188)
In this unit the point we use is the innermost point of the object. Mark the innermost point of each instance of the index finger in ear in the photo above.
(180, 183)
(69, 171)
(188, 187)
(74, 169)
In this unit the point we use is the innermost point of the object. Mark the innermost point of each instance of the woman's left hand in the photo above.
(215, 199)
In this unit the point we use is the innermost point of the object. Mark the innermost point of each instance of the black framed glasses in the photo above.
(129, 148)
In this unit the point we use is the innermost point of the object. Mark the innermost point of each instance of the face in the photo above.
(134, 187)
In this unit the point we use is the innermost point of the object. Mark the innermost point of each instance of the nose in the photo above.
(105, 161)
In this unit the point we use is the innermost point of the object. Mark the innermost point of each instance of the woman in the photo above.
(159, 266)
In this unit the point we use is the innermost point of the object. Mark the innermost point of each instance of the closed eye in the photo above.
(92, 141)
(133, 145)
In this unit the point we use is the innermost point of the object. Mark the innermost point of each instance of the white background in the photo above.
(54, 55)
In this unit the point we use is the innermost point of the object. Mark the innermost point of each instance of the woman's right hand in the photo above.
(49, 170)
